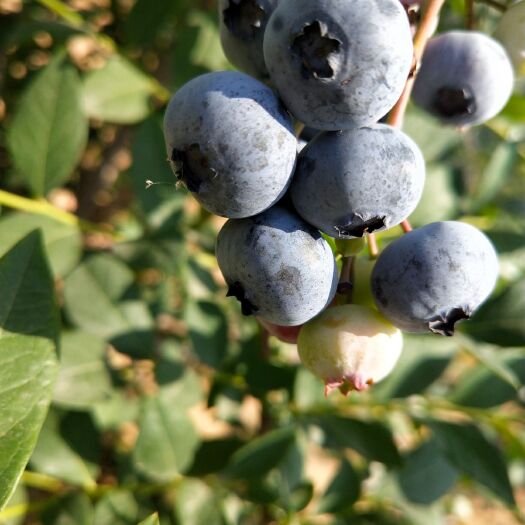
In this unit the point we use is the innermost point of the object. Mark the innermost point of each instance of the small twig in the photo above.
(43, 482)
(373, 249)
(470, 22)
(42, 207)
(423, 34)
(421, 38)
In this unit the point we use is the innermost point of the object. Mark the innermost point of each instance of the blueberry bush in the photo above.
(143, 188)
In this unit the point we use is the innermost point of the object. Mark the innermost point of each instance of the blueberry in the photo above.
(231, 143)
(338, 64)
(277, 266)
(465, 78)
(434, 276)
(350, 183)
(242, 25)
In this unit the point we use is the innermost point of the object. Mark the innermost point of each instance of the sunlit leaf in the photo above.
(49, 130)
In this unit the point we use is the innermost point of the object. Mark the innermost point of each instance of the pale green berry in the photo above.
(349, 347)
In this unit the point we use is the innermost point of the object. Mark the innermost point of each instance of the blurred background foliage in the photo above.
(166, 400)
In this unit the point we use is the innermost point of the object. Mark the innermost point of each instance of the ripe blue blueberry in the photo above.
(231, 143)
(277, 266)
(434, 276)
(242, 25)
(350, 183)
(338, 64)
(466, 78)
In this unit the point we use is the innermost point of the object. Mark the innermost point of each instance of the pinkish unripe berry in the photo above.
(349, 347)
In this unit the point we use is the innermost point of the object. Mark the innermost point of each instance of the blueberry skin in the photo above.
(242, 25)
(338, 64)
(231, 142)
(277, 266)
(350, 183)
(466, 78)
(434, 276)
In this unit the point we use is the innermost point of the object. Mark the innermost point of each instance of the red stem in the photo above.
(423, 34)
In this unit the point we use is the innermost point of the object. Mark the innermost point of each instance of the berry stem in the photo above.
(470, 22)
(372, 246)
(423, 34)
(346, 280)
(431, 12)
(298, 127)
(406, 226)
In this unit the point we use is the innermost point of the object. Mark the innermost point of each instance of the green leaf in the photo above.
(440, 200)
(63, 243)
(84, 378)
(343, 491)
(179, 384)
(308, 391)
(213, 456)
(472, 453)
(147, 18)
(481, 387)
(294, 491)
(17, 501)
(426, 474)
(506, 241)
(515, 108)
(198, 49)
(196, 504)
(261, 454)
(150, 161)
(72, 509)
(96, 299)
(434, 139)
(495, 174)
(370, 438)
(28, 303)
(167, 440)
(493, 360)
(118, 93)
(119, 408)
(208, 331)
(116, 508)
(423, 361)
(54, 456)
(263, 375)
(151, 520)
(28, 363)
(49, 130)
(501, 320)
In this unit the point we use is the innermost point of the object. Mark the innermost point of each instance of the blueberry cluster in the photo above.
(336, 67)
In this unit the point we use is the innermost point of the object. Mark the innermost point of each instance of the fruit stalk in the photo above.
(470, 14)
(423, 34)
(372, 246)
(406, 226)
(346, 281)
